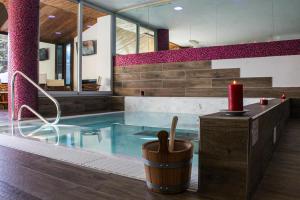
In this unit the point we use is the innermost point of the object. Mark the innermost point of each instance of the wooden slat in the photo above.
(260, 82)
(164, 92)
(213, 73)
(187, 65)
(191, 83)
(81, 105)
(127, 92)
(248, 92)
(163, 75)
(126, 77)
(142, 84)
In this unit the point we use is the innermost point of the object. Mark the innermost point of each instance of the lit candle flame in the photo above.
(234, 82)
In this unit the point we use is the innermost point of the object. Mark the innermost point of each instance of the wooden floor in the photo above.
(282, 178)
(26, 176)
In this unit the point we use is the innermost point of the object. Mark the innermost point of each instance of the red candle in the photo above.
(264, 101)
(235, 97)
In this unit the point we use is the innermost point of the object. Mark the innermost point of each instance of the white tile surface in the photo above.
(188, 105)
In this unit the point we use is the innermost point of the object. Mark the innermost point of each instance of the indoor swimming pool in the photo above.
(117, 134)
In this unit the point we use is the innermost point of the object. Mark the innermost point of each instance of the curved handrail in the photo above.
(28, 107)
(31, 134)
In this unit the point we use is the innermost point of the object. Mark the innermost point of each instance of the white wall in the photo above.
(285, 70)
(188, 105)
(48, 66)
(100, 63)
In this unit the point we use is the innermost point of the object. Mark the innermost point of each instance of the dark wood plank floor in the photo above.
(26, 176)
(282, 178)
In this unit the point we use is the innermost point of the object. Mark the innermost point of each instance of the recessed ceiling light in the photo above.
(58, 33)
(178, 8)
(51, 16)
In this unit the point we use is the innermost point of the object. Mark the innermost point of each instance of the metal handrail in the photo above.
(28, 107)
(31, 134)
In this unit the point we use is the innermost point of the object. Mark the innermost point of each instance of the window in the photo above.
(96, 50)
(3, 58)
(58, 30)
(126, 37)
(146, 38)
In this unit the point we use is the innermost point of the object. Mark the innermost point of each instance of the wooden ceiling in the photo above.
(3, 16)
(65, 20)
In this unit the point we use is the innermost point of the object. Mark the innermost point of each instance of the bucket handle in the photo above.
(163, 141)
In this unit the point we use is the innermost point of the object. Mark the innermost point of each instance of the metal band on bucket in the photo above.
(167, 165)
(168, 189)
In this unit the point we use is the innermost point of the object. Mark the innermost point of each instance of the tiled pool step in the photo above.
(122, 166)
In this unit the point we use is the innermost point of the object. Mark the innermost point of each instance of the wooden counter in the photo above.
(235, 151)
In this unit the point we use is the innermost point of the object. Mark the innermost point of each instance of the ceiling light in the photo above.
(58, 33)
(51, 16)
(178, 8)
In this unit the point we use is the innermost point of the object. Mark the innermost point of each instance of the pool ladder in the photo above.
(28, 107)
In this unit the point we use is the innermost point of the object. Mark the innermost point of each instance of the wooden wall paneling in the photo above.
(213, 73)
(191, 79)
(187, 65)
(261, 146)
(295, 108)
(81, 105)
(260, 82)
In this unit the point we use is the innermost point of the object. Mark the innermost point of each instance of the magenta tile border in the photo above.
(265, 49)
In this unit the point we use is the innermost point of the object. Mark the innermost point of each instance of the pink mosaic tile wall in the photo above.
(23, 50)
(279, 48)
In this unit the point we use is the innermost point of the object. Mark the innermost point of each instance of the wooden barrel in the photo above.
(168, 172)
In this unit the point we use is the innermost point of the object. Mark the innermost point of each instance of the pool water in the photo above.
(120, 134)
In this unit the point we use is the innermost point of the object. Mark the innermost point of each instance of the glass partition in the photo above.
(147, 40)
(96, 50)
(126, 37)
(3, 58)
(202, 23)
(58, 30)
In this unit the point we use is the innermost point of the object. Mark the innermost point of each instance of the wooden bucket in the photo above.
(168, 172)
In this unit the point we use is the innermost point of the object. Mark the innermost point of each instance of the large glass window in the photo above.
(58, 29)
(96, 50)
(146, 43)
(126, 37)
(3, 58)
(203, 23)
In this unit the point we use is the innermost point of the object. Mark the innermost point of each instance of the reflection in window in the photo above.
(146, 38)
(68, 64)
(126, 37)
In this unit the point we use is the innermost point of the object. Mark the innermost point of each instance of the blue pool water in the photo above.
(119, 134)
